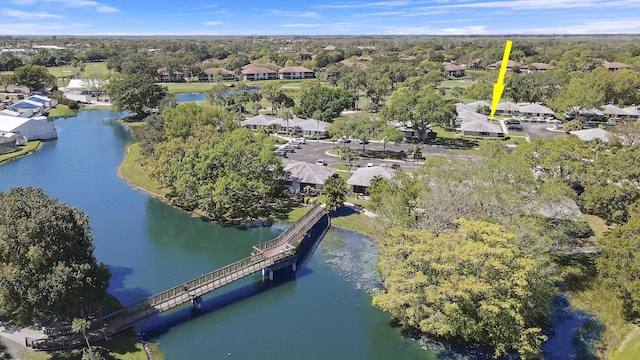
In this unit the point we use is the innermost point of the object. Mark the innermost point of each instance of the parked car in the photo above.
(370, 165)
(343, 140)
(293, 144)
(287, 148)
(321, 162)
(395, 166)
(300, 140)
(281, 153)
(363, 141)
(512, 122)
(515, 128)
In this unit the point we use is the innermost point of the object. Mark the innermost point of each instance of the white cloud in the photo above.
(300, 25)
(613, 26)
(18, 14)
(298, 14)
(107, 9)
(365, 5)
(213, 23)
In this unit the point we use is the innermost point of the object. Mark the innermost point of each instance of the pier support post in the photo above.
(293, 267)
(196, 303)
(262, 275)
(270, 274)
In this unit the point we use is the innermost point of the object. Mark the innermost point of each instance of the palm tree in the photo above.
(81, 326)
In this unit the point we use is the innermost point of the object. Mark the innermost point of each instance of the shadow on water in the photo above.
(120, 291)
(121, 132)
(159, 325)
(572, 334)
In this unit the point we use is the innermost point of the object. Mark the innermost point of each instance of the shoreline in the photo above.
(17, 155)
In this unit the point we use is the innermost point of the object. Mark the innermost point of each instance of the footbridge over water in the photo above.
(292, 249)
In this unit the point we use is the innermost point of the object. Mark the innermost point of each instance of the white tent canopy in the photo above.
(37, 128)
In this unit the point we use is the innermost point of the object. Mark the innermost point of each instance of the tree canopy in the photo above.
(34, 77)
(323, 103)
(209, 163)
(474, 284)
(47, 266)
(419, 109)
(619, 263)
(136, 93)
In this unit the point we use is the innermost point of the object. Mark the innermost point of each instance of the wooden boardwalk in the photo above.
(265, 257)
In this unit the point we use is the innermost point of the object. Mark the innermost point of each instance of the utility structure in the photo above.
(291, 249)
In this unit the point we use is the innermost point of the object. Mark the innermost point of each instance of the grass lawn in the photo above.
(22, 150)
(132, 171)
(359, 223)
(192, 87)
(598, 225)
(297, 213)
(92, 70)
(61, 111)
(122, 347)
(631, 350)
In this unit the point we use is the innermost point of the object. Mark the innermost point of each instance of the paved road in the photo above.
(314, 150)
(539, 129)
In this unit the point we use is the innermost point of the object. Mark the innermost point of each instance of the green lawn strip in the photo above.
(362, 202)
(631, 350)
(61, 111)
(297, 213)
(92, 70)
(132, 171)
(191, 87)
(597, 224)
(22, 150)
(593, 297)
(359, 223)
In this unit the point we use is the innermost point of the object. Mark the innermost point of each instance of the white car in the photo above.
(321, 162)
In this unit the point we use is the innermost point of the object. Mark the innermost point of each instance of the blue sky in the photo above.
(326, 17)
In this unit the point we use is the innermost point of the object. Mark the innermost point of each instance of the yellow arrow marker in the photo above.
(498, 87)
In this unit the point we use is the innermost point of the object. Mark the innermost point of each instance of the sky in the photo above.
(325, 17)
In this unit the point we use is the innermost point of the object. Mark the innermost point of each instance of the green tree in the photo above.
(6, 80)
(136, 93)
(47, 266)
(215, 94)
(335, 189)
(34, 77)
(271, 91)
(391, 134)
(419, 110)
(323, 103)
(619, 263)
(80, 326)
(9, 62)
(474, 284)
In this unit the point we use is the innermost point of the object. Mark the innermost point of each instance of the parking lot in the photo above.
(314, 150)
(539, 129)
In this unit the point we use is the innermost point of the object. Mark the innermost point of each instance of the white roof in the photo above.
(31, 128)
(363, 176)
(466, 117)
(8, 112)
(313, 125)
(613, 110)
(477, 104)
(592, 134)
(85, 83)
(536, 109)
(481, 126)
(508, 106)
(259, 120)
(308, 173)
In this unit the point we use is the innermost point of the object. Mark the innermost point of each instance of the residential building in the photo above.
(450, 69)
(164, 76)
(360, 181)
(295, 72)
(299, 175)
(510, 65)
(614, 66)
(212, 74)
(252, 73)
